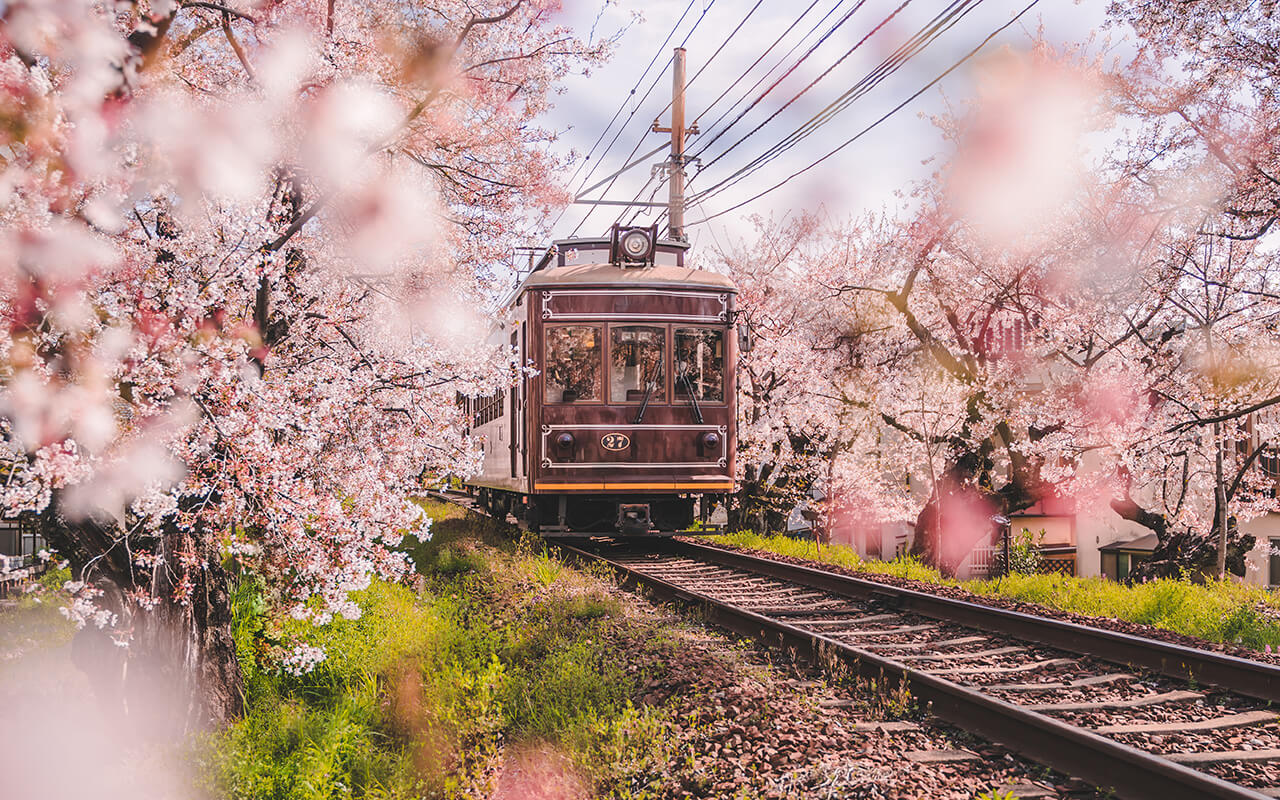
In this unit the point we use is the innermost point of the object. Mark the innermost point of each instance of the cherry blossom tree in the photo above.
(805, 432)
(1201, 96)
(1051, 321)
(783, 432)
(920, 316)
(238, 245)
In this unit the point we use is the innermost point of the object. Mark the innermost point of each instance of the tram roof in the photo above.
(611, 275)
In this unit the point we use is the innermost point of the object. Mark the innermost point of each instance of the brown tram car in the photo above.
(628, 425)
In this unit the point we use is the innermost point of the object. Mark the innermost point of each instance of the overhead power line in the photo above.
(657, 54)
(784, 76)
(702, 69)
(767, 73)
(877, 122)
(904, 52)
(640, 141)
(811, 84)
(763, 77)
(743, 75)
(760, 58)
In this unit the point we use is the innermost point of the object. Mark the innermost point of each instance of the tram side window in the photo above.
(700, 359)
(572, 364)
(635, 361)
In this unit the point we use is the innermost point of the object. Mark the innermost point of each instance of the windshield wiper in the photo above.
(693, 397)
(648, 391)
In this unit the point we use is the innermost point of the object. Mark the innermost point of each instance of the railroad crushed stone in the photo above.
(750, 722)
(957, 593)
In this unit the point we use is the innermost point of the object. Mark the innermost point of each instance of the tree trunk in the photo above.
(177, 670)
(1220, 501)
(1184, 550)
(957, 518)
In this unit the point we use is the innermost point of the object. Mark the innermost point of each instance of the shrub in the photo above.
(1024, 554)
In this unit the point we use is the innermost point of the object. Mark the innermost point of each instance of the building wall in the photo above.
(1095, 528)
(1257, 563)
(1099, 527)
(1059, 530)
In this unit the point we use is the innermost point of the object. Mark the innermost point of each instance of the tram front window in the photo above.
(572, 365)
(700, 360)
(636, 363)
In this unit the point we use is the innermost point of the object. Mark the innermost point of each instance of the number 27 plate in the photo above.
(615, 441)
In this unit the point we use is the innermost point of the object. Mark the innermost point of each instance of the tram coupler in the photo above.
(633, 518)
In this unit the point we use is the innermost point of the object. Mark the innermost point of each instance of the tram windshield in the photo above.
(700, 359)
(635, 361)
(572, 365)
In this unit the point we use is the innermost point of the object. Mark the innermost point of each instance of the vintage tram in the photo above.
(625, 424)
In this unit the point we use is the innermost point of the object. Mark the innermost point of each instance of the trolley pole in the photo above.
(676, 196)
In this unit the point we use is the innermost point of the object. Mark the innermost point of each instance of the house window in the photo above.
(1116, 566)
(1274, 577)
(572, 365)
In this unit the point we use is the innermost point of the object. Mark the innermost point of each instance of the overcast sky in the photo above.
(863, 176)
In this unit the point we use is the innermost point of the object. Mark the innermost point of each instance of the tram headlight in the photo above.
(635, 244)
(710, 441)
(564, 442)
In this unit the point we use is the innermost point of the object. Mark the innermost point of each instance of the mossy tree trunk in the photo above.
(167, 662)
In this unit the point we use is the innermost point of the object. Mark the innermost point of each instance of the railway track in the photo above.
(1137, 717)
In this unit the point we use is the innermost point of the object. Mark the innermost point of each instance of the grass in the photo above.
(1217, 611)
(502, 649)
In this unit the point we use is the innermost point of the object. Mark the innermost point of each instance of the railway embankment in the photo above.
(506, 673)
(1224, 616)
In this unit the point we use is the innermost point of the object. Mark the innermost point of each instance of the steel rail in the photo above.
(1240, 675)
(1105, 763)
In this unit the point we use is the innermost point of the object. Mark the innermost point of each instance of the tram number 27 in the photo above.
(615, 441)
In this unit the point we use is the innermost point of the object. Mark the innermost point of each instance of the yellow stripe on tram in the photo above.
(623, 487)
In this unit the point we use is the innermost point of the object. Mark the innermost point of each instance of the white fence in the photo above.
(980, 563)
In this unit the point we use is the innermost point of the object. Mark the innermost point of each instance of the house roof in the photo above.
(1143, 544)
(610, 275)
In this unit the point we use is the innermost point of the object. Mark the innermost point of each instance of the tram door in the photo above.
(516, 415)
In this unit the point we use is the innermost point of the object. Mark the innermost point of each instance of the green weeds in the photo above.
(1217, 611)
(504, 647)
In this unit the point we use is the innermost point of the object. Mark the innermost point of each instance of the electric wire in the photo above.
(689, 83)
(661, 48)
(621, 107)
(809, 86)
(909, 49)
(726, 41)
(914, 45)
(765, 76)
(772, 69)
(760, 58)
(811, 83)
(821, 40)
(874, 124)
(703, 68)
(739, 79)
(640, 141)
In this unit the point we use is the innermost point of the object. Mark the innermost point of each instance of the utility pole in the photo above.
(675, 164)
(676, 196)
